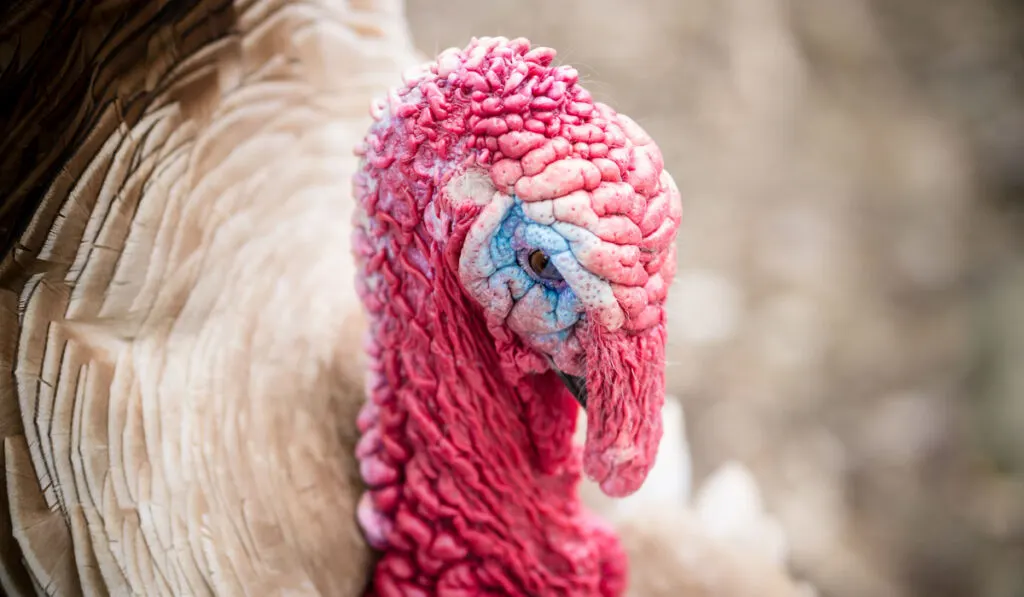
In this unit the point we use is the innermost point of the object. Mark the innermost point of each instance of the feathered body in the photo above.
(179, 334)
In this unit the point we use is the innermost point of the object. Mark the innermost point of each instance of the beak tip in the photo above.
(576, 385)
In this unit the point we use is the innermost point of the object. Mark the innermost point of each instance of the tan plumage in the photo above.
(179, 335)
(177, 394)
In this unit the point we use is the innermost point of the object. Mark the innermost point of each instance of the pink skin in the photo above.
(466, 448)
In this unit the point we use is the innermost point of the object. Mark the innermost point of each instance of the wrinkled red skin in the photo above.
(475, 473)
(466, 450)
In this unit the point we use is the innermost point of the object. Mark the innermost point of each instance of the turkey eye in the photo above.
(542, 267)
(538, 261)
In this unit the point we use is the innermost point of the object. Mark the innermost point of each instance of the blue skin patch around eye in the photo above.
(517, 237)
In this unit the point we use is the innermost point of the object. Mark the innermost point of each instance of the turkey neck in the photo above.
(470, 466)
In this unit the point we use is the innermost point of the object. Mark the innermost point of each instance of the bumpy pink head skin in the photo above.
(599, 171)
(574, 161)
(597, 179)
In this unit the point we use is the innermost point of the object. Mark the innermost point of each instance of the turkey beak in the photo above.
(577, 387)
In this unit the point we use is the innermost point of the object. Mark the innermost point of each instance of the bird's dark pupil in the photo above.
(538, 261)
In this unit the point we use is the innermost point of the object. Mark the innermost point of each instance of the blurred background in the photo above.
(848, 319)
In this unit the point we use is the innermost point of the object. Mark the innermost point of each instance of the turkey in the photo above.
(196, 400)
(512, 235)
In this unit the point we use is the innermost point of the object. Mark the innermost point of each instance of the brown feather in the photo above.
(179, 333)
